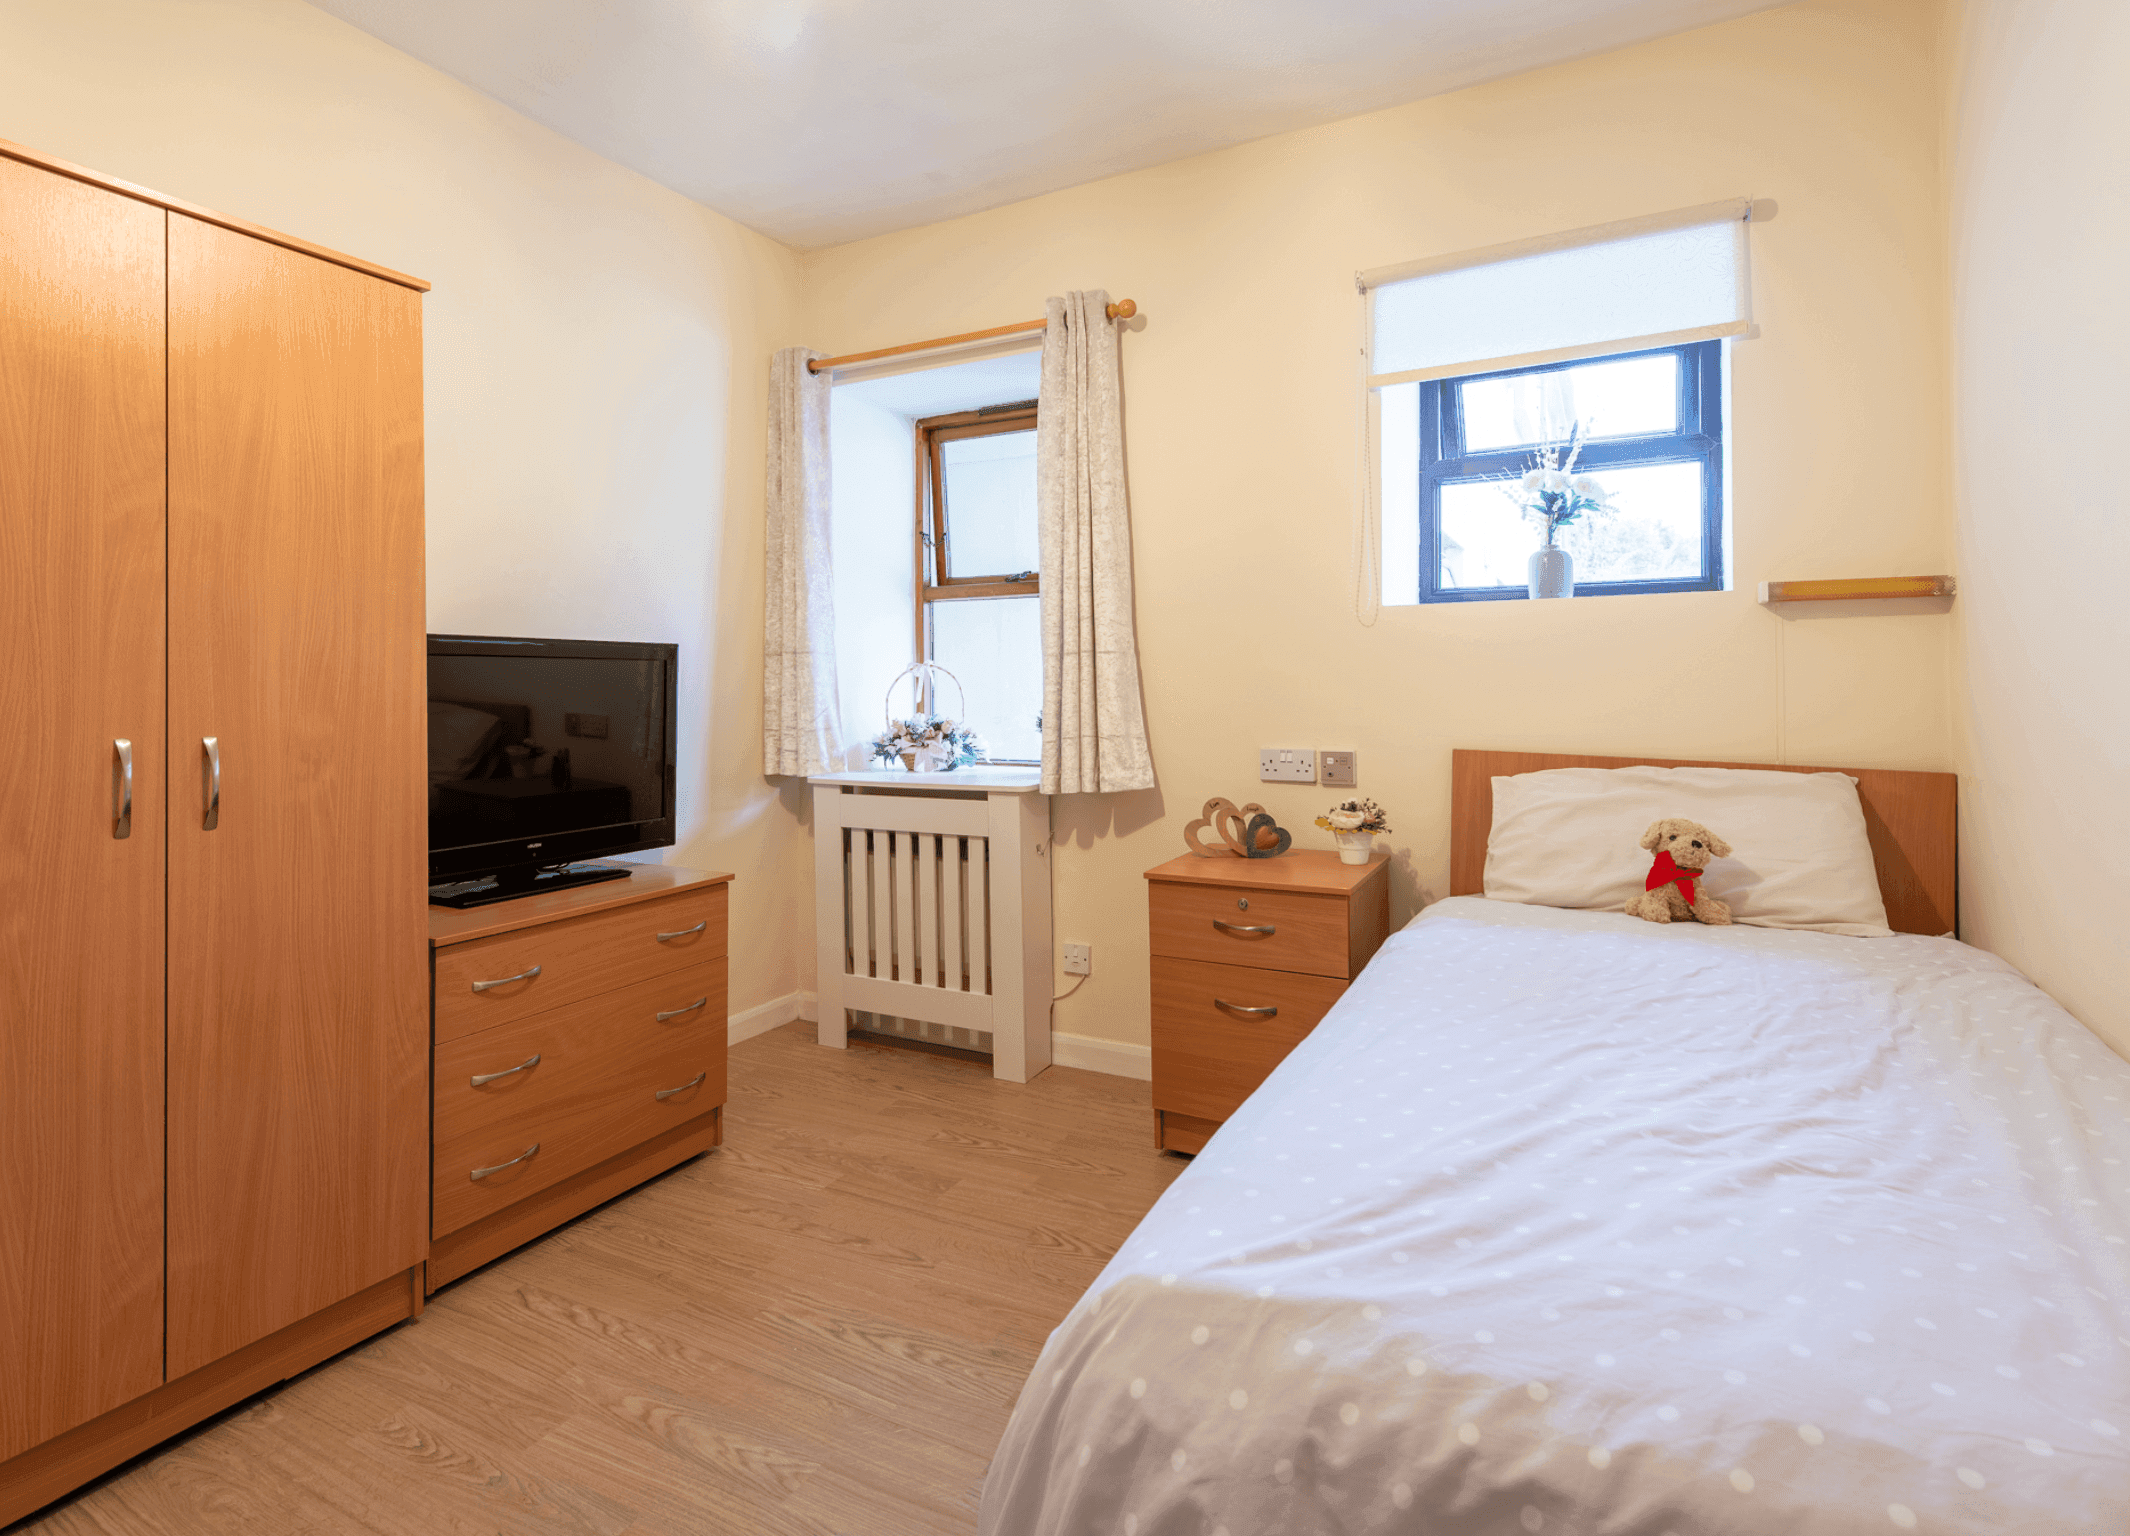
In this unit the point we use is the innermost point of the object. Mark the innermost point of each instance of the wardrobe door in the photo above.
(81, 885)
(298, 788)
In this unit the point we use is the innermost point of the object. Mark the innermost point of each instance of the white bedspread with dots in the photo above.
(1564, 1222)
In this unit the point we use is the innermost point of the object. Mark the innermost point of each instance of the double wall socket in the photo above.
(1286, 765)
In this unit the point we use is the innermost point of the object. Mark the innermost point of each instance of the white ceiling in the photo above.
(821, 121)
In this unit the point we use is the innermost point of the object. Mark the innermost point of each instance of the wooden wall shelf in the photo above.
(1857, 587)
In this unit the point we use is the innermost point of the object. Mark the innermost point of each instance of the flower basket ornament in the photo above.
(929, 742)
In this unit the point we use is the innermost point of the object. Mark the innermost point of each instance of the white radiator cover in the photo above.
(932, 905)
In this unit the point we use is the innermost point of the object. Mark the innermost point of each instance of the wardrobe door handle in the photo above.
(1266, 929)
(1240, 1012)
(682, 933)
(664, 1094)
(486, 1078)
(122, 818)
(504, 981)
(674, 1013)
(482, 1173)
(212, 746)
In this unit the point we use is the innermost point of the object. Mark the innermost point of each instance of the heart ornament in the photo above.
(1228, 822)
(1265, 838)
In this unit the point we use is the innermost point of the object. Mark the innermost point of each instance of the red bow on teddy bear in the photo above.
(1666, 871)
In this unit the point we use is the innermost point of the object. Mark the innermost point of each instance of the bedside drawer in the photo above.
(575, 959)
(1204, 922)
(1207, 1060)
(593, 1093)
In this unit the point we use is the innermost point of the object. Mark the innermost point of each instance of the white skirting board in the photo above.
(763, 1017)
(1115, 1057)
(1085, 1052)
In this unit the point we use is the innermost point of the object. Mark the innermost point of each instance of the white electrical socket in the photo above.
(1079, 959)
(1286, 765)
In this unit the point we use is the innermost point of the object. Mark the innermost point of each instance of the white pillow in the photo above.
(1570, 837)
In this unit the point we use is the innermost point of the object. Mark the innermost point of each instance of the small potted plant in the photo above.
(1353, 824)
(1551, 491)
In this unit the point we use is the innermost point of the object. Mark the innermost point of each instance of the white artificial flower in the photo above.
(1554, 480)
(1345, 821)
(1534, 479)
(1587, 485)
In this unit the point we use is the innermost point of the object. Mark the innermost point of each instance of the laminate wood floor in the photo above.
(821, 1327)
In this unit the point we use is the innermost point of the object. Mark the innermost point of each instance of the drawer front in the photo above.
(576, 959)
(1205, 922)
(593, 1093)
(1207, 1060)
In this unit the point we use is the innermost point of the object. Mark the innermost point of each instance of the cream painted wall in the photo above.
(596, 354)
(2040, 222)
(1241, 412)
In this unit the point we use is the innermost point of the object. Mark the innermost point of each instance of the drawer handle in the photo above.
(682, 933)
(482, 1173)
(664, 1094)
(490, 1077)
(483, 986)
(1236, 1009)
(1264, 929)
(674, 1013)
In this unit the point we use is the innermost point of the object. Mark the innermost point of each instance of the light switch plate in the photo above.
(1338, 768)
(1286, 765)
(1079, 959)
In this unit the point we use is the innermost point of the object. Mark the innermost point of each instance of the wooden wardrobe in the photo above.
(213, 982)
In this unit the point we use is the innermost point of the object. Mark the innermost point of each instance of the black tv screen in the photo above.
(546, 751)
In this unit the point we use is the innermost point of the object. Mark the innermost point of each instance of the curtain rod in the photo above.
(1123, 309)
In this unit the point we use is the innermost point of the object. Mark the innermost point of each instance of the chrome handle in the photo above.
(682, 933)
(1241, 1012)
(504, 981)
(1262, 928)
(674, 1013)
(122, 819)
(664, 1094)
(482, 1173)
(212, 746)
(486, 1078)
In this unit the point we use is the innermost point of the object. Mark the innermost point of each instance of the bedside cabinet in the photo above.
(1247, 955)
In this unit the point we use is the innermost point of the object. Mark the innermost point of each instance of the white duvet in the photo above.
(1565, 1222)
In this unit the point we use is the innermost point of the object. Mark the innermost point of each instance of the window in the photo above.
(979, 578)
(1474, 361)
(1652, 426)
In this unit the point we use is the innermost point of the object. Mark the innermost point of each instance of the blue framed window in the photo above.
(1653, 437)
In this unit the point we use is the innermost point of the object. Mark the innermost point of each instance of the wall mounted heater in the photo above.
(932, 906)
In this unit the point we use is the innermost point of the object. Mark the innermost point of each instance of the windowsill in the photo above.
(992, 777)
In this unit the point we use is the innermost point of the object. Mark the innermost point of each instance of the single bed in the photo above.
(1566, 1222)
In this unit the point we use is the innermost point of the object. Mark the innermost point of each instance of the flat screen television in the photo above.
(543, 753)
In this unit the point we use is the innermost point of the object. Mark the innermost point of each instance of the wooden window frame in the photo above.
(1698, 440)
(933, 563)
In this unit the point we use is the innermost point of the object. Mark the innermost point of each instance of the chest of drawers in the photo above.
(579, 1049)
(1248, 954)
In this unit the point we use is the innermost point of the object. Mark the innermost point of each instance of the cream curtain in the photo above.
(1094, 725)
(799, 706)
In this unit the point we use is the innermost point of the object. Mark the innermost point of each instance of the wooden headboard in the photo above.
(1912, 819)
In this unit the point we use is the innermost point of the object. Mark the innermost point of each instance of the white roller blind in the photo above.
(1651, 282)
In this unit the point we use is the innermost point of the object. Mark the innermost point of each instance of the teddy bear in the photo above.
(1673, 891)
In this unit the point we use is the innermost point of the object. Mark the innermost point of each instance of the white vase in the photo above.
(1551, 572)
(1355, 847)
